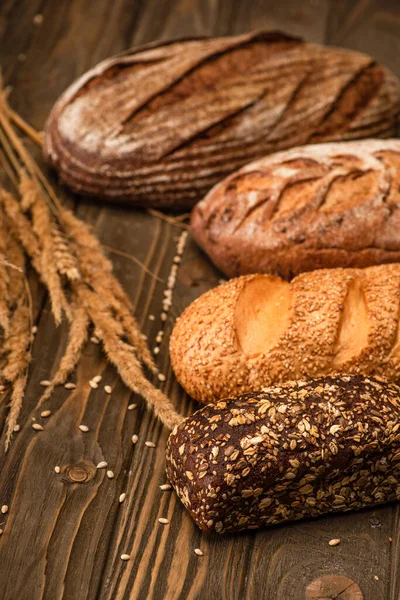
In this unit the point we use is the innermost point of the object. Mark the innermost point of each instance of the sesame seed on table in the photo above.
(80, 508)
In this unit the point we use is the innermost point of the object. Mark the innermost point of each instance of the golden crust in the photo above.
(341, 321)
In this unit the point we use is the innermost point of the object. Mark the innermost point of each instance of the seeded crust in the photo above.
(296, 451)
(327, 311)
(162, 123)
(317, 206)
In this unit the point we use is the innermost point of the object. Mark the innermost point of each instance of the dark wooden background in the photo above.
(63, 539)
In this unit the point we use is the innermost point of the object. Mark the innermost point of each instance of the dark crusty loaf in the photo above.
(319, 206)
(161, 124)
(300, 450)
(259, 330)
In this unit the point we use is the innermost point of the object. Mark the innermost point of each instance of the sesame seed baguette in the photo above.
(296, 451)
(259, 330)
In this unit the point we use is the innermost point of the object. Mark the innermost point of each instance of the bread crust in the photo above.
(336, 321)
(313, 207)
(296, 451)
(161, 124)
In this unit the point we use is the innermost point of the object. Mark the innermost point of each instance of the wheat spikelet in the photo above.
(65, 261)
(77, 338)
(21, 227)
(17, 341)
(96, 270)
(42, 225)
(15, 407)
(122, 356)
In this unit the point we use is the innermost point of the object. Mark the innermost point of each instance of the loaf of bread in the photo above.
(319, 206)
(161, 124)
(260, 330)
(299, 450)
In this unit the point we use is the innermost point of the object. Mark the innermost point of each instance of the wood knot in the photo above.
(80, 473)
(333, 586)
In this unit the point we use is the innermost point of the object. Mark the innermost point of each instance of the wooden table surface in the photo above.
(63, 538)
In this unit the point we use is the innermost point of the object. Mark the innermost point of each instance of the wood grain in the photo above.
(64, 539)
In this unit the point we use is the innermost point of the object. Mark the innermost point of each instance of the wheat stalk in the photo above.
(78, 276)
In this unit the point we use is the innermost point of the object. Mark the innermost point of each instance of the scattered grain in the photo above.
(161, 377)
(198, 552)
(93, 384)
(101, 465)
(163, 521)
(1, 532)
(110, 474)
(134, 439)
(151, 318)
(94, 340)
(57, 469)
(163, 316)
(70, 386)
(125, 556)
(376, 577)
(37, 427)
(156, 350)
(45, 413)
(97, 378)
(38, 19)
(108, 389)
(334, 542)
(165, 486)
(45, 383)
(390, 540)
(4, 509)
(16, 428)
(148, 444)
(84, 428)
(132, 406)
(34, 329)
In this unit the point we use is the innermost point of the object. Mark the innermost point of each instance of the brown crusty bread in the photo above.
(162, 123)
(260, 330)
(299, 450)
(318, 206)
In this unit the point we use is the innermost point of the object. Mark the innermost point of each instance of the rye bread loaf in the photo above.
(299, 450)
(260, 330)
(319, 206)
(161, 124)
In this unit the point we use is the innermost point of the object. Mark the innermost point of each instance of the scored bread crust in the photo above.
(162, 123)
(258, 330)
(317, 206)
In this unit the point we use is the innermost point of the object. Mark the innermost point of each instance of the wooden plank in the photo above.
(63, 538)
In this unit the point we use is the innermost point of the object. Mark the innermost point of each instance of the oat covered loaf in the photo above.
(162, 123)
(299, 450)
(318, 206)
(259, 330)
